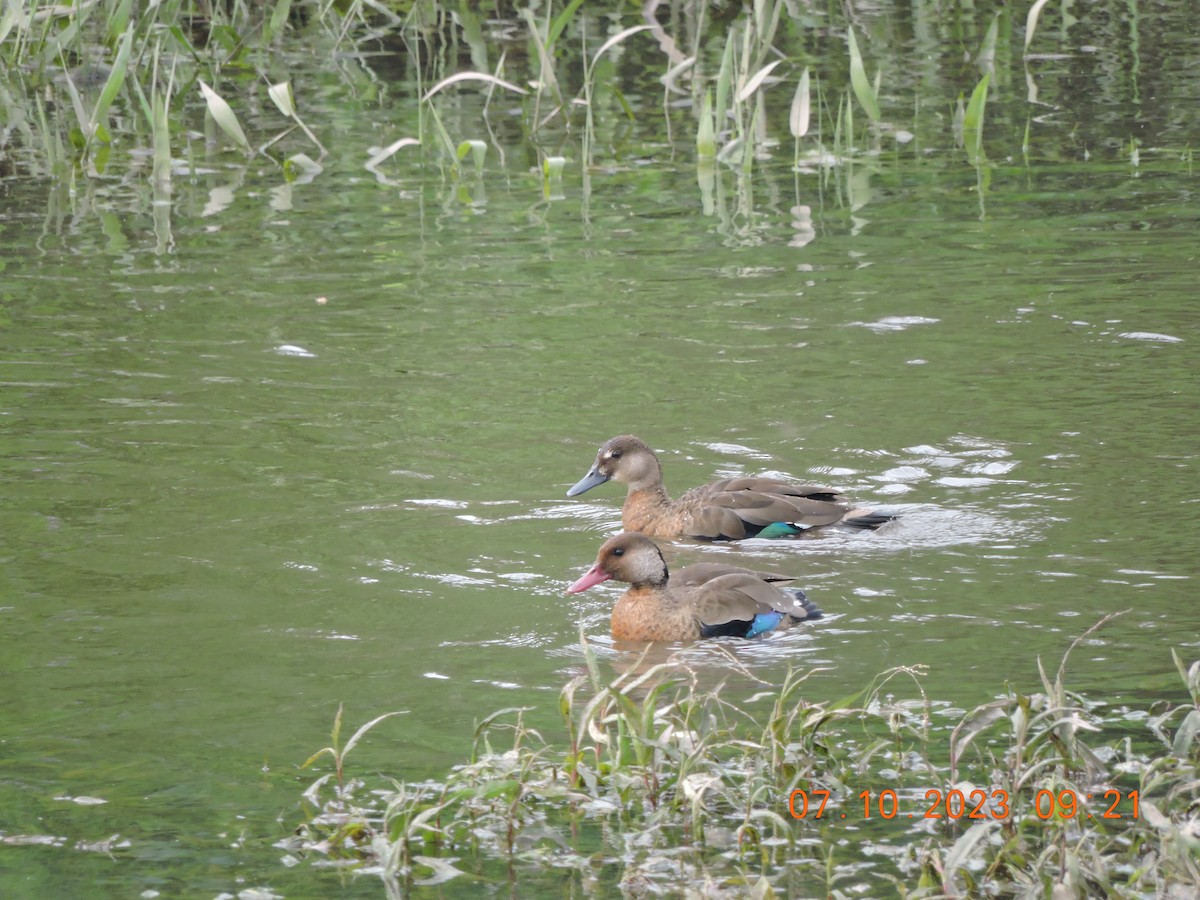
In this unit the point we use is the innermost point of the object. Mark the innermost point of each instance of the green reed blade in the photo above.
(839, 133)
(848, 134)
(444, 137)
(118, 19)
(724, 79)
(623, 102)
(77, 105)
(182, 39)
(986, 60)
(162, 138)
(547, 80)
(13, 16)
(973, 119)
(116, 78)
(560, 22)
(751, 142)
(706, 140)
(859, 81)
(766, 23)
(275, 24)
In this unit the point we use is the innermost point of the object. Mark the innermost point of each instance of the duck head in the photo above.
(625, 459)
(628, 557)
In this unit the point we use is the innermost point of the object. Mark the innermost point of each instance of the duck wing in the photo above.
(772, 486)
(740, 597)
(735, 509)
(698, 573)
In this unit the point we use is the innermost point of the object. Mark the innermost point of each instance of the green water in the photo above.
(229, 507)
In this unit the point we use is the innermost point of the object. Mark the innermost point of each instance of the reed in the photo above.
(865, 91)
(576, 93)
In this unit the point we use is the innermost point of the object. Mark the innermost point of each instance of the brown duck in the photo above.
(702, 600)
(727, 510)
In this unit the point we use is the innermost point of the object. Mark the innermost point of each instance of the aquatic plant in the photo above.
(676, 785)
(85, 90)
(114, 54)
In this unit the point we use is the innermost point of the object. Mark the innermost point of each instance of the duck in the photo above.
(731, 509)
(702, 600)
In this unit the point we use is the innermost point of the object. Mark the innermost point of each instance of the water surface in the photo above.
(313, 450)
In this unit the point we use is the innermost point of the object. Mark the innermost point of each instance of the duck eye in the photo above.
(614, 454)
(619, 551)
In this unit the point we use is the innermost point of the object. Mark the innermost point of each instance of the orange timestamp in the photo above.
(977, 804)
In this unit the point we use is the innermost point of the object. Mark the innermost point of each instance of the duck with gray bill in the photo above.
(728, 510)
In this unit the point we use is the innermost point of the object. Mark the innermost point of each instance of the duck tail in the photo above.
(811, 610)
(867, 518)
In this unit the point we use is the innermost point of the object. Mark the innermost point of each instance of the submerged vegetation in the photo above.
(658, 784)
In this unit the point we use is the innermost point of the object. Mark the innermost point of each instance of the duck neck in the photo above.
(644, 506)
(651, 584)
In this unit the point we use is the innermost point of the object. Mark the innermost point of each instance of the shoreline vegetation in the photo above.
(657, 784)
(160, 89)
